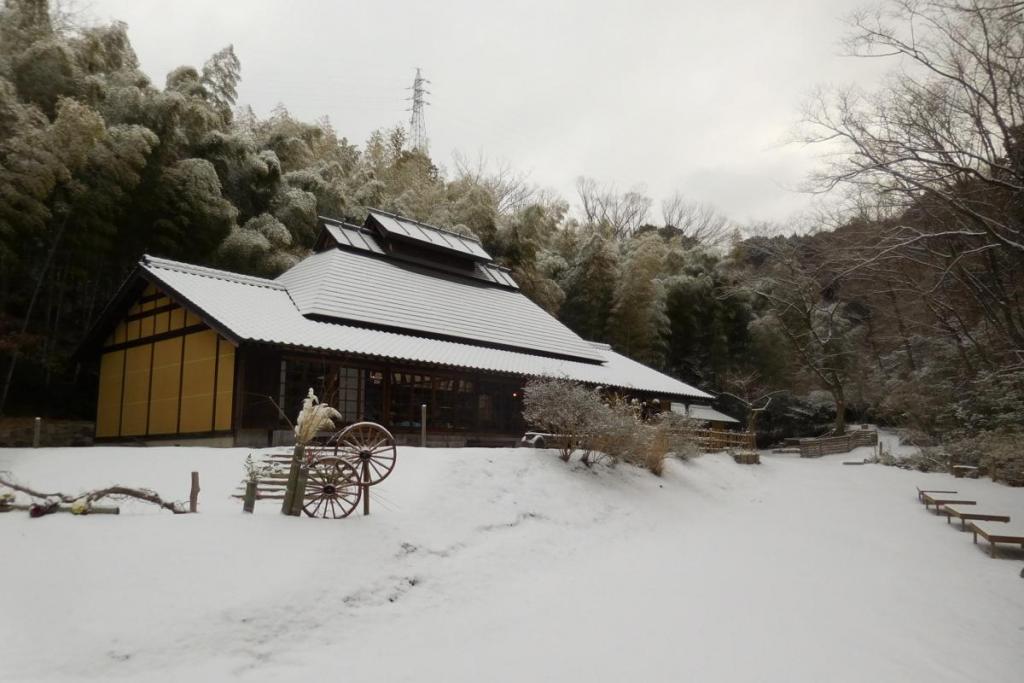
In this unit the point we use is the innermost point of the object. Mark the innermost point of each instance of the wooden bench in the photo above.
(997, 533)
(937, 499)
(921, 492)
(965, 515)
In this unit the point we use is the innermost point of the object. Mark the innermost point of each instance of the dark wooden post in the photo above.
(193, 495)
(365, 476)
(299, 497)
(249, 502)
(293, 479)
(423, 425)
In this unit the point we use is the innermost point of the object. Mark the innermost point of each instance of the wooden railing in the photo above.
(712, 440)
(813, 448)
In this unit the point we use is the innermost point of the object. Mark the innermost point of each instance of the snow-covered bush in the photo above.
(620, 434)
(993, 402)
(564, 408)
(664, 435)
(995, 453)
(615, 428)
(930, 459)
(611, 428)
(679, 432)
(885, 456)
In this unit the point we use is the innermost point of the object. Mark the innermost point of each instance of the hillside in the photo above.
(508, 565)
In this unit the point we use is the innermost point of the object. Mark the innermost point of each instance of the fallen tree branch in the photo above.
(89, 497)
(95, 510)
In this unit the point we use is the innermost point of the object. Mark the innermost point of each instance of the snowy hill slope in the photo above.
(508, 565)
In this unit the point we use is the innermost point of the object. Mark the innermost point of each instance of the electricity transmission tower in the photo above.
(417, 125)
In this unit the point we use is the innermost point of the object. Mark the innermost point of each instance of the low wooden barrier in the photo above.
(815, 448)
(713, 440)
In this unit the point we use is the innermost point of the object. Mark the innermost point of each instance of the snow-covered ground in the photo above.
(508, 565)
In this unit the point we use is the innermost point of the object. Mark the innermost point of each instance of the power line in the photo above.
(417, 124)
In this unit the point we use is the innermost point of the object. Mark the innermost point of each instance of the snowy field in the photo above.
(508, 565)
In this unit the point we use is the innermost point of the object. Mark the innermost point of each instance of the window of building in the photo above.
(454, 404)
(349, 402)
(409, 391)
(299, 377)
(373, 396)
(500, 407)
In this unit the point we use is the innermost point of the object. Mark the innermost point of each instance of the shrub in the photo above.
(993, 402)
(604, 429)
(928, 459)
(561, 407)
(622, 435)
(652, 448)
(995, 453)
(255, 470)
(614, 429)
(679, 431)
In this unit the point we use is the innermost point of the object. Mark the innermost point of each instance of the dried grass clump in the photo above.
(314, 417)
(653, 448)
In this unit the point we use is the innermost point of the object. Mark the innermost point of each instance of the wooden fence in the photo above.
(814, 448)
(712, 440)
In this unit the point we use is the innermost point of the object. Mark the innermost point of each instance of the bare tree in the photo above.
(698, 221)
(941, 144)
(749, 389)
(948, 126)
(794, 291)
(71, 15)
(511, 189)
(620, 213)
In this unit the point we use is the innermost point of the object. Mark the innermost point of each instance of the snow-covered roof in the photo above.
(351, 287)
(700, 412)
(255, 309)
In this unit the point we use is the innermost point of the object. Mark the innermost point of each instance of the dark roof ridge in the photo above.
(471, 237)
(344, 223)
(204, 271)
(331, 223)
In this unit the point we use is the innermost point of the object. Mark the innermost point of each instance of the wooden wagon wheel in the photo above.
(332, 488)
(369, 448)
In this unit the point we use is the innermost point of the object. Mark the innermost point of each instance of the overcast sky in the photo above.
(691, 96)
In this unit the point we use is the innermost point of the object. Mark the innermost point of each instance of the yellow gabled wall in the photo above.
(163, 401)
(225, 385)
(197, 380)
(135, 399)
(108, 403)
(164, 372)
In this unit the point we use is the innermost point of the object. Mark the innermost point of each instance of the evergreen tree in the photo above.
(588, 281)
(638, 325)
